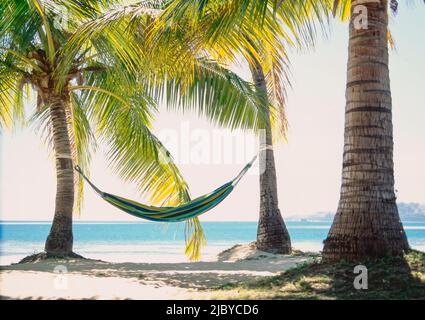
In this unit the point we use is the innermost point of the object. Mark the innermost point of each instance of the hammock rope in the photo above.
(189, 210)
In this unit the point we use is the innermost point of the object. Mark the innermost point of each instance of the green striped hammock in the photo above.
(187, 211)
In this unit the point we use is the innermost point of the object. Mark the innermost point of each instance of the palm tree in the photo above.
(100, 89)
(263, 46)
(92, 87)
(272, 235)
(367, 223)
(264, 50)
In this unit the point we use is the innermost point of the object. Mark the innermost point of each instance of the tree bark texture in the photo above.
(60, 239)
(367, 223)
(272, 235)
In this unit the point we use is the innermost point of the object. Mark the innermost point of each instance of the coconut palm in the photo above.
(265, 53)
(100, 90)
(272, 235)
(367, 223)
(263, 46)
(96, 89)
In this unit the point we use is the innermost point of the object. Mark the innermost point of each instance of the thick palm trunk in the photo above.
(60, 239)
(367, 223)
(272, 235)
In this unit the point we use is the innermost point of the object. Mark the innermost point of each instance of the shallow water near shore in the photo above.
(161, 243)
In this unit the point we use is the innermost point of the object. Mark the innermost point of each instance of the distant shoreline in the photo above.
(410, 212)
(149, 222)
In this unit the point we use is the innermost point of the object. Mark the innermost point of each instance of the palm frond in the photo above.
(108, 38)
(341, 9)
(83, 144)
(222, 17)
(50, 47)
(12, 97)
(214, 92)
(195, 239)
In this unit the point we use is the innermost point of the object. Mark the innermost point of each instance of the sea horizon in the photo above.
(148, 242)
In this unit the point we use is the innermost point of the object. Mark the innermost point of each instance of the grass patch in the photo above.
(388, 278)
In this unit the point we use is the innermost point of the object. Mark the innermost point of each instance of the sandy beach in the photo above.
(92, 279)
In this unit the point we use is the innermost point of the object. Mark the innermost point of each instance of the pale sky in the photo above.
(308, 166)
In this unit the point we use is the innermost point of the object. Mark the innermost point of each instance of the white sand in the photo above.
(90, 279)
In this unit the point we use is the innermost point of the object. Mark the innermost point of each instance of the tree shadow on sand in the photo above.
(388, 278)
(199, 275)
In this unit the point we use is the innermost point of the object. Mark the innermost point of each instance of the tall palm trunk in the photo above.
(272, 235)
(367, 223)
(60, 239)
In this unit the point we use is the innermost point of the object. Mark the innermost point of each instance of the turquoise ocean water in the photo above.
(152, 242)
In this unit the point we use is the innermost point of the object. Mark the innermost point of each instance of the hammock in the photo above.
(186, 211)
